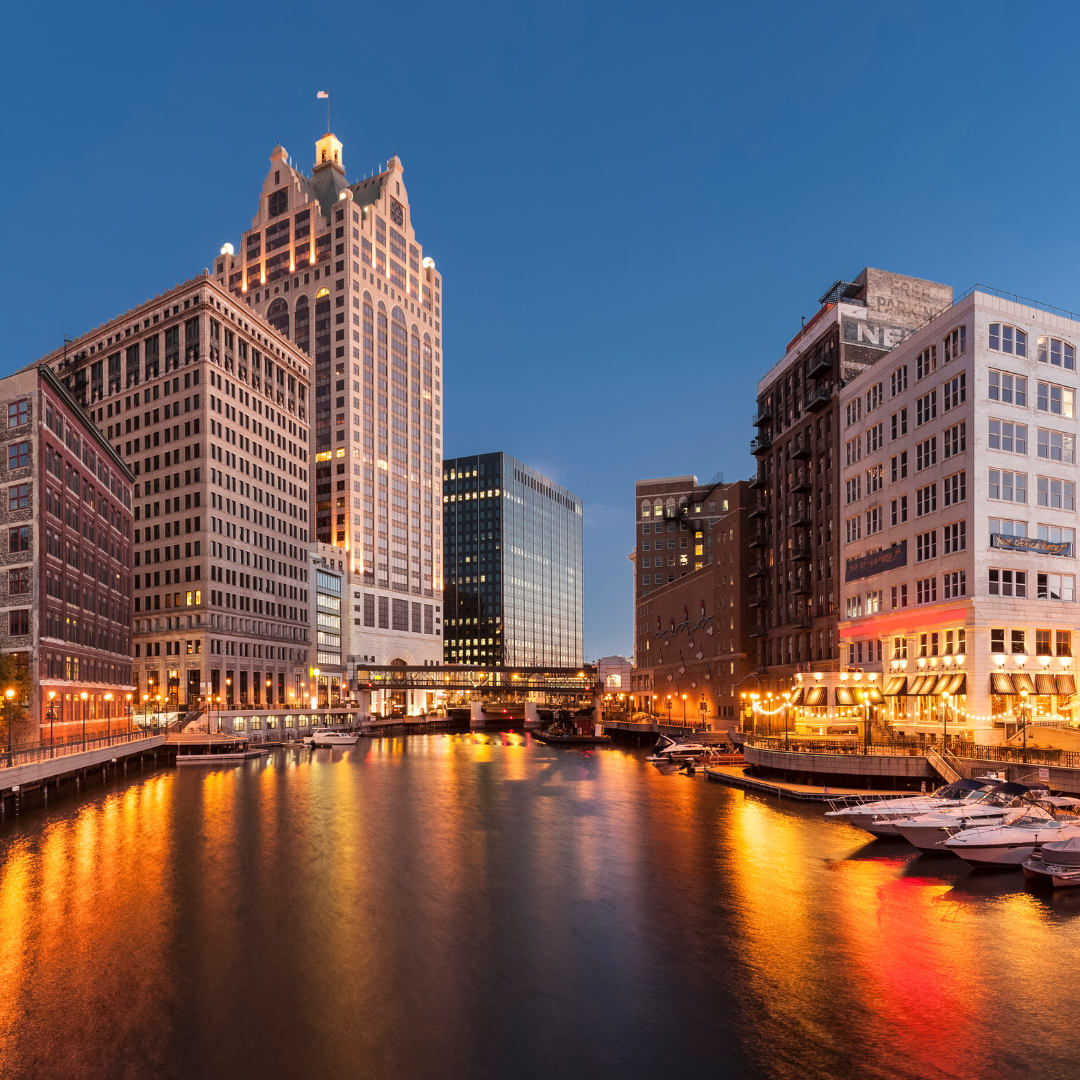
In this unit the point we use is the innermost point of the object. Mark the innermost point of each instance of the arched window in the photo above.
(322, 329)
(658, 509)
(367, 297)
(302, 324)
(399, 316)
(399, 340)
(277, 316)
(321, 293)
(645, 509)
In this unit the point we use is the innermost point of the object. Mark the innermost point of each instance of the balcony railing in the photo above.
(818, 399)
(762, 416)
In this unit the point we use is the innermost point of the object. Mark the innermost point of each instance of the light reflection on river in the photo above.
(485, 907)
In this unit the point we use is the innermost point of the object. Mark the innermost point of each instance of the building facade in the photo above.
(336, 267)
(68, 588)
(798, 446)
(692, 616)
(958, 490)
(329, 676)
(208, 407)
(513, 565)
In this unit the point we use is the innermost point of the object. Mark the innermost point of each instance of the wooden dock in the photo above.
(736, 776)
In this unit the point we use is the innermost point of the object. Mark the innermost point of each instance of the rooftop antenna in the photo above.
(326, 94)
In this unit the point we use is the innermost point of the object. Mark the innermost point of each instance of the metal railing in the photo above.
(26, 755)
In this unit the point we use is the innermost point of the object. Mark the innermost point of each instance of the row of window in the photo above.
(1012, 487)
(1013, 439)
(1012, 389)
(1011, 339)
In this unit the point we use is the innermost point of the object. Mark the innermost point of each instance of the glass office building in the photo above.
(512, 565)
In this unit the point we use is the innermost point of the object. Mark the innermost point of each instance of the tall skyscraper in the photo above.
(513, 565)
(336, 267)
(208, 406)
(68, 523)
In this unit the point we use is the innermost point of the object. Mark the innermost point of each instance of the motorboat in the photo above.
(669, 749)
(1057, 861)
(325, 737)
(880, 817)
(1013, 843)
(998, 806)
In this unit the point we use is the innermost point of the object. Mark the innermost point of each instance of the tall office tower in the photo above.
(692, 616)
(337, 268)
(958, 488)
(208, 406)
(798, 452)
(513, 565)
(67, 611)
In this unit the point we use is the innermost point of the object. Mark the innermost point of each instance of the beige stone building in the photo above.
(208, 406)
(337, 268)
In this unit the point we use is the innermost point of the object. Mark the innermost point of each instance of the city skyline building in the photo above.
(208, 406)
(67, 580)
(514, 565)
(692, 617)
(798, 450)
(959, 519)
(337, 268)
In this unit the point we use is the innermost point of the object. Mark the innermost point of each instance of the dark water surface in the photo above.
(472, 906)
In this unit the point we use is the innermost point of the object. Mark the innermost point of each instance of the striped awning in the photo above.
(875, 696)
(797, 697)
(915, 684)
(928, 685)
(1045, 683)
(845, 695)
(1023, 681)
(1000, 683)
(958, 685)
(1066, 684)
(942, 684)
(896, 686)
(817, 695)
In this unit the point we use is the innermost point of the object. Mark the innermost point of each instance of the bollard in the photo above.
(18, 808)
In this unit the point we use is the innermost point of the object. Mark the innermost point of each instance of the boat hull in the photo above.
(573, 740)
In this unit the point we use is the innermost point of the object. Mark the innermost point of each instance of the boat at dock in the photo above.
(1056, 862)
(880, 818)
(566, 730)
(998, 806)
(1012, 844)
(200, 749)
(325, 737)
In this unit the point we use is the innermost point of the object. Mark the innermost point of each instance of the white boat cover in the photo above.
(1064, 852)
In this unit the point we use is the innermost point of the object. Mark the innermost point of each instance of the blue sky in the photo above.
(632, 205)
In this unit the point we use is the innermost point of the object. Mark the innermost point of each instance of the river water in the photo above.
(485, 907)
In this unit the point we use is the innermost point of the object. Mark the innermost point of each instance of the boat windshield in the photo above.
(964, 790)
(1031, 820)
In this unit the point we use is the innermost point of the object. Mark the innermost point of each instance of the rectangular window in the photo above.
(926, 500)
(1007, 486)
(875, 477)
(955, 537)
(1005, 435)
(854, 489)
(1007, 388)
(926, 408)
(853, 529)
(1008, 582)
(854, 450)
(926, 590)
(853, 607)
(1008, 528)
(1063, 642)
(19, 413)
(19, 580)
(874, 522)
(1058, 353)
(955, 440)
(1056, 399)
(1057, 446)
(899, 510)
(1056, 587)
(19, 539)
(873, 397)
(19, 497)
(873, 605)
(1056, 494)
(955, 392)
(854, 411)
(874, 439)
(898, 380)
(926, 454)
(954, 488)
(926, 546)
(18, 455)
(954, 584)
(926, 363)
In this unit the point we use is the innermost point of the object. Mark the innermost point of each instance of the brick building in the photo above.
(208, 405)
(798, 447)
(67, 587)
(692, 617)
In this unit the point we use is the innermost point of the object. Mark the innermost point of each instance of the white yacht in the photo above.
(325, 737)
(1012, 844)
(880, 817)
(669, 749)
(1057, 862)
(998, 806)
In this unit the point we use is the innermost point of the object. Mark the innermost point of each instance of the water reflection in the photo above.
(485, 906)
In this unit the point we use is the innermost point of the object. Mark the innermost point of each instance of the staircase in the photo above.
(188, 718)
(945, 765)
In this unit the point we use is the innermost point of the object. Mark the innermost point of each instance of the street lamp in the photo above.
(128, 712)
(315, 673)
(1023, 718)
(787, 702)
(669, 709)
(684, 710)
(84, 696)
(9, 694)
(145, 710)
(945, 718)
(52, 717)
(108, 718)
